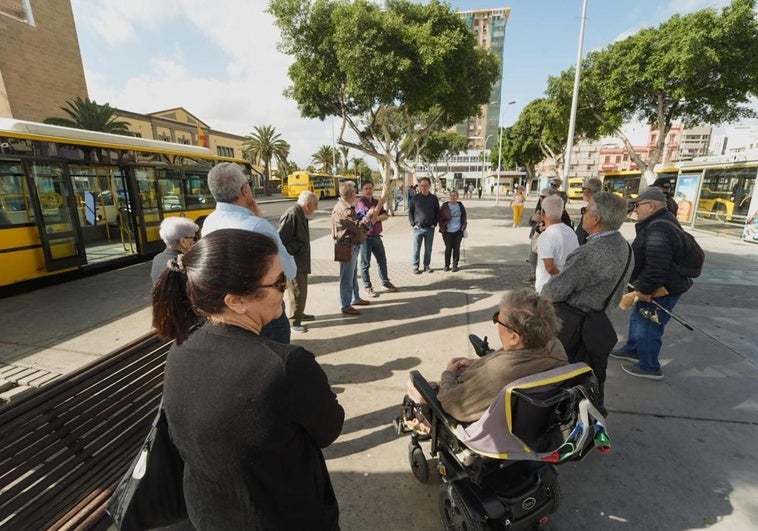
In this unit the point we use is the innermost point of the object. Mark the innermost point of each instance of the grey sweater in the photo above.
(591, 272)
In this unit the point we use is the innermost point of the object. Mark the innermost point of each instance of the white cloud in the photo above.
(255, 73)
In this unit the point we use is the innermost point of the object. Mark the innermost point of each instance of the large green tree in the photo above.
(392, 74)
(540, 133)
(262, 146)
(442, 146)
(699, 68)
(85, 113)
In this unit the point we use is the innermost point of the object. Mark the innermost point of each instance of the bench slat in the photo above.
(65, 446)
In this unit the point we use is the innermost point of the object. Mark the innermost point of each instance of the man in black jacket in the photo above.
(423, 214)
(658, 248)
(295, 235)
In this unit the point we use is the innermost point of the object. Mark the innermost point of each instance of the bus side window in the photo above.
(15, 206)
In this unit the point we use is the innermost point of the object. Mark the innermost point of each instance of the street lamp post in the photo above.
(500, 152)
(484, 151)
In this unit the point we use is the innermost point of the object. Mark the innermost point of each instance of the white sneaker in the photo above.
(300, 329)
(371, 293)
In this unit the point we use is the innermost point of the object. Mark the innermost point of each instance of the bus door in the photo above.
(55, 212)
(146, 211)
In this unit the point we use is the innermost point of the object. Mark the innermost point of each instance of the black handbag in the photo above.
(572, 334)
(151, 493)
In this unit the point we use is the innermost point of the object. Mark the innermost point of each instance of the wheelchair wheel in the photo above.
(455, 515)
(555, 493)
(419, 464)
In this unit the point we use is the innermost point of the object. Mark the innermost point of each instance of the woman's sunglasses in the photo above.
(280, 284)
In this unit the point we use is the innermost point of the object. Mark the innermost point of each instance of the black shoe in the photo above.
(623, 354)
(305, 317)
(455, 268)
(447, 268)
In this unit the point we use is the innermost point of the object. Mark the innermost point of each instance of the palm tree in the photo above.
(88, 114)
(345, 152)
(262, 145)
(326, 157)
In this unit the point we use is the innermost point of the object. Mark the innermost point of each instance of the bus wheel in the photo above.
(719, 212)
(321, 195)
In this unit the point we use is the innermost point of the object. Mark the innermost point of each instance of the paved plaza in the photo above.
(684, 449)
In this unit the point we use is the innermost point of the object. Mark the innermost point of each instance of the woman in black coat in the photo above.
(248, 415)
(453, 223)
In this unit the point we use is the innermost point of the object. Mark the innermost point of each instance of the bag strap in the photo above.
(628, 261)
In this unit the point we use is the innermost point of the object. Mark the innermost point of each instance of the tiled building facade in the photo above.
(488, 27)
(40, 60)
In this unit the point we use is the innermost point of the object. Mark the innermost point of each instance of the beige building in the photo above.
(180, 126)
(40, 60)
(41, 68)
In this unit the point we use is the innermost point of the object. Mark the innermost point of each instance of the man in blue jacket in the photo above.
(658, 248)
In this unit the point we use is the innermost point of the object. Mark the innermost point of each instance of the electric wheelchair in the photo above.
(499, 473)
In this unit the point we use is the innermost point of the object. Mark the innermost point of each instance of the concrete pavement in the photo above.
(684, 448)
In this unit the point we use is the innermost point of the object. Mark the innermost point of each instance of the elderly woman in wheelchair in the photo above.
(497, 424)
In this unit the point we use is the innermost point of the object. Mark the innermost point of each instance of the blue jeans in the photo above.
(278, 329)
(645, 336)
(373, 244)
(349, 280)
(427, 236)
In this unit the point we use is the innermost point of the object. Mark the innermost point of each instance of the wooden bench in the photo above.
(64, 447)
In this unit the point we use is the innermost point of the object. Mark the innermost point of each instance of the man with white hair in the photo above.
(555, 243)
(236, 208)
(296, 237)
(593, 279)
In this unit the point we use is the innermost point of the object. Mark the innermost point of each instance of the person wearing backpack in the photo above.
(659, 252)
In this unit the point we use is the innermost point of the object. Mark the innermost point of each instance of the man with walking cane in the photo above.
(658, 283)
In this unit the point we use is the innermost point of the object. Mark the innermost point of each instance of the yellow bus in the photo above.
(321, 184)
(726, 190)
(575, 188)
(626, 183)
(74, 200)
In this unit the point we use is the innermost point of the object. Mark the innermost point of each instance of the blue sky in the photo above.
(218, 59)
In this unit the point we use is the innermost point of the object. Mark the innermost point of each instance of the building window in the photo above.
(18, 9)
(224, 151)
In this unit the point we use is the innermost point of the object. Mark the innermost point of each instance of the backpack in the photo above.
(691, 264)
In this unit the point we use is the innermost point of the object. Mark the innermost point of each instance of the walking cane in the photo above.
(675, 317)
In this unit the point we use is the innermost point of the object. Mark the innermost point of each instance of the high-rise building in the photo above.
(488, 26)
(40, 62)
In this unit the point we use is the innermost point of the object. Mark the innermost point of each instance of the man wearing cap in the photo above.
(655, 247)
(589, 187)
(664, 183)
